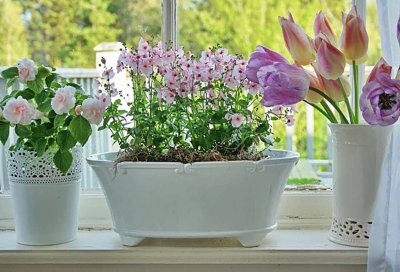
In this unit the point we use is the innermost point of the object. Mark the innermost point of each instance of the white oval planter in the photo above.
(358, 152)
(45, 202)
(205, 199)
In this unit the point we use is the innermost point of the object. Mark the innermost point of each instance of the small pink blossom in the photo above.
(143, 47)
(96, 84)
(64, 100)
(169, 97)
(108, 74)
(26, 70)
(19, 111)
(104, 99)
(290, 120)
(145, 67)
(236, 120)
(228, 116)
(211, 94)
(249, 120)
(92, 110)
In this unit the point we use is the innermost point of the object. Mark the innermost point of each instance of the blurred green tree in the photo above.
(13, 42)
(64, 33)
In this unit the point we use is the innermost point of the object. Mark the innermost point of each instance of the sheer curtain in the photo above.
(384, 244)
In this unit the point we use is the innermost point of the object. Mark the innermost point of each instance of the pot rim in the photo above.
(277, 157)
(357, 125)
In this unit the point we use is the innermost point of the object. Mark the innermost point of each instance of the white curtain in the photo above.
(384, 244)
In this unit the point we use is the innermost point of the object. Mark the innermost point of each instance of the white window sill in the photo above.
(282, 250)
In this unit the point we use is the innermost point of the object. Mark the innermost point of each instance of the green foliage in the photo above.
(47, 130)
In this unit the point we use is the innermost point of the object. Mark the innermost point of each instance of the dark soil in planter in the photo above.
(184, 155)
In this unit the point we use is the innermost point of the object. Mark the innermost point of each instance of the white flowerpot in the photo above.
(358, 152)
(204, 199)
(45, 202)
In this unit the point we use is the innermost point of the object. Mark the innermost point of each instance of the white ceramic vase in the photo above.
(201, 200)
(358, 152)
(45, 202)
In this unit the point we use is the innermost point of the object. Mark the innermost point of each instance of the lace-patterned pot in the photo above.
(358, 152)
(45, 201)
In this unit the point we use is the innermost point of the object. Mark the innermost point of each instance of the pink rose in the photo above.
(26, 70)
(92, 110)
(64, 100)
(19, 111)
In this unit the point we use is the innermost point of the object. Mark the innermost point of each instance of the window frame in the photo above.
(298, 209)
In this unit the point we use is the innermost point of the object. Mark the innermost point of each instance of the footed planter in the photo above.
(201, 200)
(45, 202)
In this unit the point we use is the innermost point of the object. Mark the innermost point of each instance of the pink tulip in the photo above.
(321, 25)
(330, 61)
(332, 87)
(261, 57)
(297, 41)
(380, 67)
(354, 39)
(313, 97)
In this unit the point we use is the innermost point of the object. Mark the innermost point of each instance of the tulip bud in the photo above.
(330, 61)
(354, 39)
(332, 87)
(321, 25)
(297, 41)
(312, 96)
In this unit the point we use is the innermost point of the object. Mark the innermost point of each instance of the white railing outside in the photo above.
(100, 142)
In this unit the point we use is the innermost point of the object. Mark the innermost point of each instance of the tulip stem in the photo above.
(329, 111)
(320, 110)
(346, 100)
(333, 103)
(356, 95)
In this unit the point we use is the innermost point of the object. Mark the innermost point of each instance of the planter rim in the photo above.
(276, 157)
(357, 125)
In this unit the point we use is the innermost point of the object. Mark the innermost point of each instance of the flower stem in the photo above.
(333, 103)
(346, 100)
(329, 111)
(320, 110)
(356, 93)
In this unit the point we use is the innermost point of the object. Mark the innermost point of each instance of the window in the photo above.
(238, 25)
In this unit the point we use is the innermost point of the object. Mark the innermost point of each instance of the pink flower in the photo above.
(261, 57)
(330, 61)
(283, 84)
(211, 94)
(64, 100)
(26, 70)
(78, 110)
(321, 25)
(143, 47)
(354, 39)
(236, 120)
(104, 99)
(228, 116)
(297, 41)
(19, 111)
(96, 84)
(169, 97)
(380, 100)
(108, 74)
(92, 110)
(290, 120)
(380, 67)
(145, 67)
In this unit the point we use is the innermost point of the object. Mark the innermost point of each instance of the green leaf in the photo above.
(36, 85)
(22, 131)
(27, 94)
(55, 85)
(11, 82)
(263, 128)
(40, 146)
(76, 86)
(59, 120)
(63, 160)
(4, 132)
(45, 106)
(65, 140)
(43, 72)
(80, 129)
(49, 80)
(10, 72)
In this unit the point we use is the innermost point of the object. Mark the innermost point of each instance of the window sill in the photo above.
(101, 250)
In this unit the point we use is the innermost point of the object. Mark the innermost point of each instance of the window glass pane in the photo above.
(240, 25)
(63, 34)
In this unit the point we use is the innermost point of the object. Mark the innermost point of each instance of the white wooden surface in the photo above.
(282, 250)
